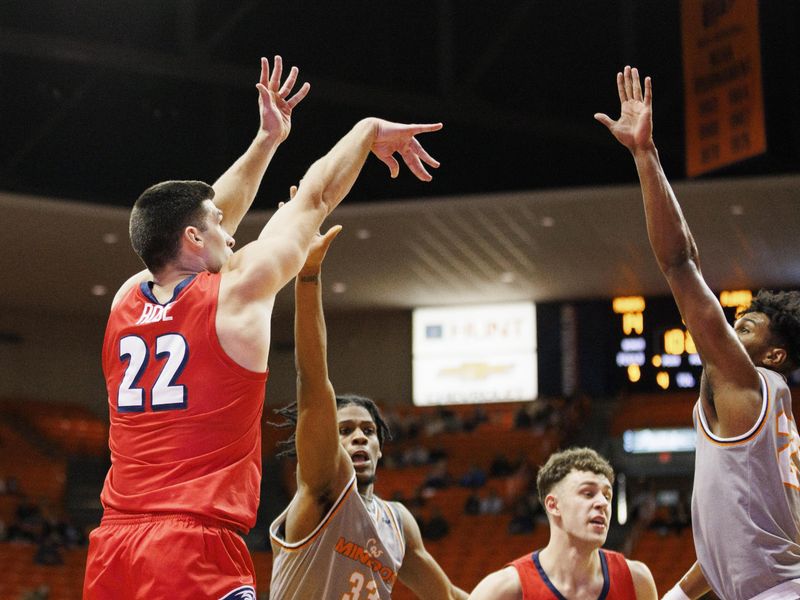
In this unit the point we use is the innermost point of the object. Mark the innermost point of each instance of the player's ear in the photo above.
(775, 357)
(551, 505)
(192, 235)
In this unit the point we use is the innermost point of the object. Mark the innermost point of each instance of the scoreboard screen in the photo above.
(654, 351)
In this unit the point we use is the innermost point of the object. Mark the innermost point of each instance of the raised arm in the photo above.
(731, 374)
(268, 263)
(236, 188)
(419, 571)
(323, 466)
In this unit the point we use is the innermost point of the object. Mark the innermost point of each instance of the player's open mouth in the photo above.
(359, 458)
(598, 522)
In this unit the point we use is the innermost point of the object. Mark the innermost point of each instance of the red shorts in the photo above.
(173, 556)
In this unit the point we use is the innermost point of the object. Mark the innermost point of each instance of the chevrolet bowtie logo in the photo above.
(475, 370)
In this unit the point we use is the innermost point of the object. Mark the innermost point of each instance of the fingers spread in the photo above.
(415, 165)
(332, 233)
(389, 161)
(628, 83)
(416, 128)
(277, 71)
(301, 93)
(604, 119)
(289, 83)
(263, 92)
(422, 153)
(264, 72)
(637, 85)
(621, 88)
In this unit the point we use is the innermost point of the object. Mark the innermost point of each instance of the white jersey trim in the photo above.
(322, 523)
(788, 590)
(394, 515)
(752, 430)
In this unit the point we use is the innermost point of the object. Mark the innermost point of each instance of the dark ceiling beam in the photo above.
(461, 108)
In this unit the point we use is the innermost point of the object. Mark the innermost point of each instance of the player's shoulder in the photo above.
(504, 584)
(643, 580)
(130, 283)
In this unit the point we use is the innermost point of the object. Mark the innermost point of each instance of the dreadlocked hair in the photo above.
(783, 311)
(289, 413)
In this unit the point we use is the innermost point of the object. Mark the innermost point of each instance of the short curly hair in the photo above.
(783, 311)
(561, 464)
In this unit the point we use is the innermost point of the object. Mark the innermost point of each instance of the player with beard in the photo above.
(337, 539)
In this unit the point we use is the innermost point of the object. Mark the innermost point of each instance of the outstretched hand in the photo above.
(275, 105)
(634, 129)
(318, 249)
(397, 137)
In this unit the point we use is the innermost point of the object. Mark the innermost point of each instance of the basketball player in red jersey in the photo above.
(185, 361)
(575, 489)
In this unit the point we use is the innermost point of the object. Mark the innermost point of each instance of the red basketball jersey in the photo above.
(185, 432)
(618, 582)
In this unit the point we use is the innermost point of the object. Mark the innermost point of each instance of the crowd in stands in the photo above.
(36, 523)
(502, 484)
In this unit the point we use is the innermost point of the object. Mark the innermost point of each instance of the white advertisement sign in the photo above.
(474, 354)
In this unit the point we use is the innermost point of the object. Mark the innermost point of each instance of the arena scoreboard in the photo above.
(654, 350)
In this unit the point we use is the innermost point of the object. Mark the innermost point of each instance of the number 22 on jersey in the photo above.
(170, 356)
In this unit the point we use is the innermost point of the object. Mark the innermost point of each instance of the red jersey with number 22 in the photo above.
(185, 432)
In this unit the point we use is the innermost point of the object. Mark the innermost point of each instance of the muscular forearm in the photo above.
(309, 331)
(236, 188)
(668, 231)
(331, 177)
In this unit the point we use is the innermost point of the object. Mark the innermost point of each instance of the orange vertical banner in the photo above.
(722, 81)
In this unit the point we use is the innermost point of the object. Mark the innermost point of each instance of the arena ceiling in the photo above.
(100, 99)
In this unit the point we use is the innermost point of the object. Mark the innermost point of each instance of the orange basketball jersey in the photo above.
(185, 431)
(618, 582)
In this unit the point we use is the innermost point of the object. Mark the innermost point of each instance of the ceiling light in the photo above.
(110, 238)
(737, 209)
(99, 290)
(548, 221)
(339, 288)
(363, 234)
(507, 277)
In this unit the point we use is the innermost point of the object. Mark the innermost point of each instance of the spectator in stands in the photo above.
(522, 519)
(501, 466)
(472, 505)
(575, 488)
(40, 593)
(416, 455)
(438, 478)
(475, 477)
(437, 526)
(49, 552)
(492, 503)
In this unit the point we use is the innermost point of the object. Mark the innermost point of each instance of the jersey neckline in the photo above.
(554, 589)
(147, 290)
